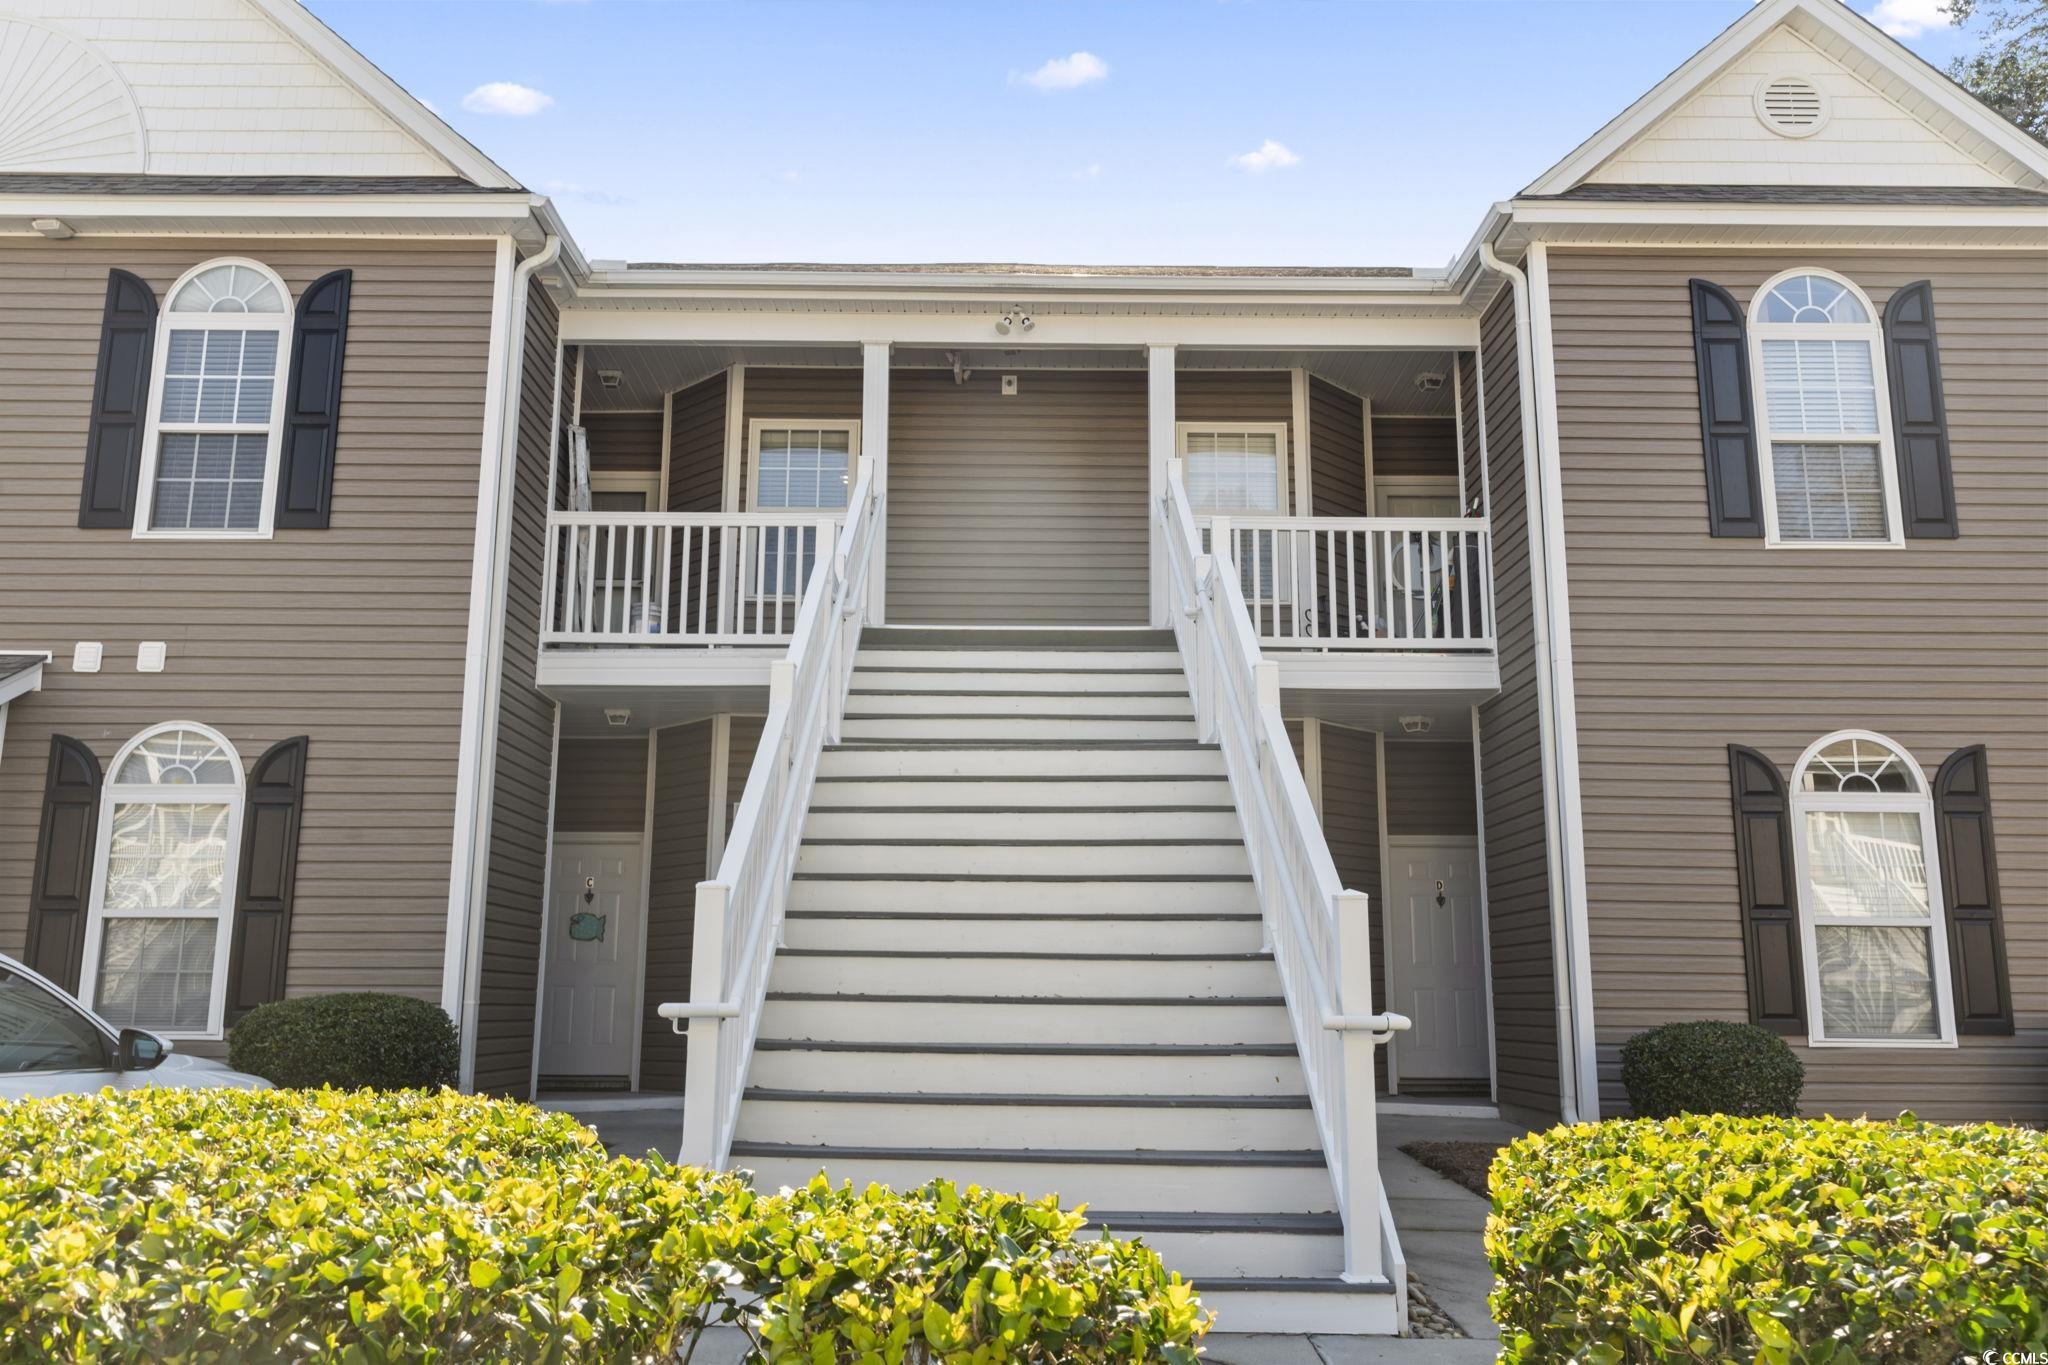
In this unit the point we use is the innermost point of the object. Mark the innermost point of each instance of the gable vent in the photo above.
(1791, 105)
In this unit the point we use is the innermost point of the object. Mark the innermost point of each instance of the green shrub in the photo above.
(364, 1038)
(223, 1226)
(1710, 1067)
(1715, 1238)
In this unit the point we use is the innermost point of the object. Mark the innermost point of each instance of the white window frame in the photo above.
(118, 794)
(153, 426)
(1887, 462)
(757, 425)
(1277, 430)
(1921, 803)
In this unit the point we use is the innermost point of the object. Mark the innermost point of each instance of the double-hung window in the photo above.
(1823, 413)
(156, 944)
(1240, 469)
(1870, 904)
(798, 467)
(216, 406)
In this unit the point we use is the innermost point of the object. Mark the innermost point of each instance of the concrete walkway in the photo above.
(1439, 1223)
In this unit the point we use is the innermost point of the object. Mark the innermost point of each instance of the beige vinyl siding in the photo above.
(696, 470)
(601, 785)
(743, 738)
(624, 442)
(1510, 746)
(353, 636)
(1336, 451)
(676, 863)
(1223, 396)
(830, 394)
(516, 887)
(1021, 510)
(1469, 458)
(1351, 825)
(1409, 447)
(1685, 644)
(1429, 788)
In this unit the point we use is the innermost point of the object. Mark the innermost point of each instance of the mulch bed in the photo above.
(1464, 1162)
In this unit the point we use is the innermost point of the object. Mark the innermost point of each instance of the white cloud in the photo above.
(1910, 18)
(1270, 155)
(1091, 171)
(1066, 73)
(508, 98)
(569, 189)
(789, 177)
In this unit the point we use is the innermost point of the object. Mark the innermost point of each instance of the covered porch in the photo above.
(697, 484)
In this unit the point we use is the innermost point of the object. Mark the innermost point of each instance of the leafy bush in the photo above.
(363, 1038)
(1711, 1067)
(299, 1225)
(1716, 1238)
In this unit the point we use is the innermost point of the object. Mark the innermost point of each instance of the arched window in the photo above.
(217, 405)
(156, 943)
(1869, 899)
(1824, 412)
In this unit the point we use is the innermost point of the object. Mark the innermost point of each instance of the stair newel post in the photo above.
(703, 1100)
(1361, 1155)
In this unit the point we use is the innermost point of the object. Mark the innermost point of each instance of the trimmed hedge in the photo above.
(356, 1039)
(1716, 1238)
(1710, 1066)
(216, 1225)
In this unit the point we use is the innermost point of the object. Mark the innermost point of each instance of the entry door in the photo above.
(593, 960)
(1436, 972)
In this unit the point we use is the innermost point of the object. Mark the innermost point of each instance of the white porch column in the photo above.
(874, 443)
(1159, 361)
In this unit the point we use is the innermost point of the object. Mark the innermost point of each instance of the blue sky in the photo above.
(1248, 132)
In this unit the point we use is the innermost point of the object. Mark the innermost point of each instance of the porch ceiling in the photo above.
(646, 373)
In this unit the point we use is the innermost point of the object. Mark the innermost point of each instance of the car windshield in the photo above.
(39, 1032)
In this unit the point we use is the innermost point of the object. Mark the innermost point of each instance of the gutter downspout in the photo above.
(494, 530)
(1544, 618)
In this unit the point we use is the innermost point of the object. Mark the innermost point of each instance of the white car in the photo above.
(52, 1045)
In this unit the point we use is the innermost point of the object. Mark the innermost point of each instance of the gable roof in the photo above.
(359, 72)
(1848, 42)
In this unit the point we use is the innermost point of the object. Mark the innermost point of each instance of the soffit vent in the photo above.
(1791, 106)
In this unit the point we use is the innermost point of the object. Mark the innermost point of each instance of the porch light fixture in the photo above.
(617, 715)
(1415, 725)
(1003, 325)
(56, 229)
(1025, 323)
(1429, 381)
(611, 379)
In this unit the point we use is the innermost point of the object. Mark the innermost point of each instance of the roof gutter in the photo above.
(1552, 634)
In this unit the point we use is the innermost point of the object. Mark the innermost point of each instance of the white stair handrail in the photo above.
(1316, 929)
(740, 910)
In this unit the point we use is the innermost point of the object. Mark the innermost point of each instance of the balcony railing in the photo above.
(1368, 583)
(679, 578)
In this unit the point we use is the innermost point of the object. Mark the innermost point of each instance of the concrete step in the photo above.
(1318, 1306)
(941, 728)
(994, 792)
(1165, 681)
(1170, 1181)
(1232, 1246)
(1021, 1068)
(1022, 822)
(912, 636)
(1012, 761)
(1057, 861)
(1030, 1122)
(1090, 935)
(873, 702)
(969, 896)
(934, 1016)
(1048, 977)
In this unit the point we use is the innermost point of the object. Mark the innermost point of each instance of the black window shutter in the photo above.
(1770, 896)
(270, 864)
(120, 403)
(312, 405)
(1727, 419)
(1969, 879)
(64, 853)
(1927, 492)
